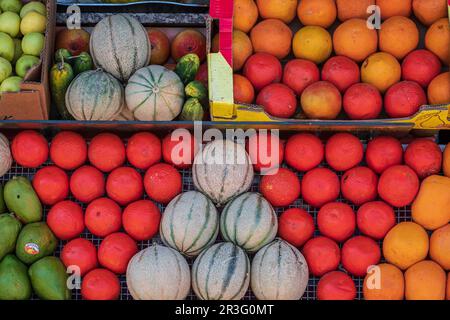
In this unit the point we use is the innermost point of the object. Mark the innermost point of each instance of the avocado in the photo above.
(35, 241)
(49, 279)
(2, 201)
(14, 281)
(22, 200)
(9, 230)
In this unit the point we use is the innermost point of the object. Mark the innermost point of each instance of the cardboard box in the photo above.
(223, 108)
(33, 100)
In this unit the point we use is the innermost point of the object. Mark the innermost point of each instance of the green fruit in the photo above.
(10, 23)
(49, 279)
(2, 200)
(196, 89)
(192, 110)
(33, 44)
(83, 62)
(9, 230)
(5, 69)
(33, 6)
(25, 63)
(6, 46)
(187, 67)
(62, 55)
(11, 84)
(14, 281)
(22, 200)
(61, 75)
(35, 241)
(11, 5)
(17, 50)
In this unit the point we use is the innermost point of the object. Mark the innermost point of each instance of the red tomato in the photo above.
(259, 148)
(87, 183)
(115, 251)
(80, 252)
(65, 219)
(304, 151)
(162, 182)
(68, 143)
(103, 216)
(29, 149)
(179, 151)
(322, 255)
(336, 285)
(143, 150)
(358, 254)
(343, 151)
(375, 219)
(124, 185)
(51, 185)
(320, 186)
(141, 219)
(106, 152)
(359, 185)
(337, 221)
(296, 226)
(280, 189)
(100, 284)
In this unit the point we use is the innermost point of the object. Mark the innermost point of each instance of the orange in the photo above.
(437, 39)
(354, 40)
(439, 89)
(390, 284)
(245, 15)
(243, 90)
(277, 9)
(381, 70)
(425, 281)
(320, 13)
(272, 36)
(242, 49)
(391, 8)
(405, 244)
(349, 9)
(312, 43)
(429, 11)
(394, 29)
(440, 246)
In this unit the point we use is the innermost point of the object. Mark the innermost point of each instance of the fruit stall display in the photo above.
(336, 206)
(319, 60)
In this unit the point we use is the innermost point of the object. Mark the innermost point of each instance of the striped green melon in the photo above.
(249, 221)
(190, 223)
(221, 272)
(279, 272)
(119, 45)
(5, 155)
(155, 93)
(95, 95)
(222, 171)
(158, 273)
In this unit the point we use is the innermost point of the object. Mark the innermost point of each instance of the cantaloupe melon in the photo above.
(279, 272)
(221, 272)
(119, 45)
(249, 221)
(5, 155)
(95, 95)
(155, 93)
(222, 171)
(190, 223)
(158, 273)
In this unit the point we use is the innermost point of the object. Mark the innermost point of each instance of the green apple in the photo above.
(33, 43)
(25, 63)
(33, 6)
(11, 84)
(11, 5)
(6, 46)
(10, 23)
(5, 69)
(33, 22)
(17, 50)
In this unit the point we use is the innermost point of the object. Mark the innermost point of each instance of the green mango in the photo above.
(2, 201)
(14, 281)
(81, 63)
(9, 230)
(60, 77)
(49, 279)
(22, 200)
(35, 241)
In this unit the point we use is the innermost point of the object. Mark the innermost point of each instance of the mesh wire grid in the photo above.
(402, 214)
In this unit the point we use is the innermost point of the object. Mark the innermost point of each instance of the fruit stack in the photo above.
(22, 28)
(151, 78)
(324, 59)
(105, 204)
